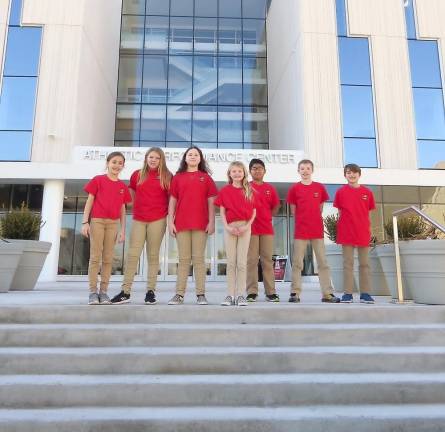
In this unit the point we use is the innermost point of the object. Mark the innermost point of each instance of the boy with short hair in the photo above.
(306, 199)
(261, 240)
(354, 202)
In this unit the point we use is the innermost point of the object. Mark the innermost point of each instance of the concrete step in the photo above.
(270, 313)
(215, 360)
(158, 335)
(270, 390)
(332, 418)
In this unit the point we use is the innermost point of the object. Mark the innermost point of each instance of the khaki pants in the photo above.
(260, 246)
(150, 234)
(348, 268)
(191, 248)
(237, 248)
(103, 235)
(324, 275)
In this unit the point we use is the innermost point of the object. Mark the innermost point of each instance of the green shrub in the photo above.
(330, 226)
(21, 224)
(410, 228)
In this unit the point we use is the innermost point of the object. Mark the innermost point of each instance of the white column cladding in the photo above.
(52, 209)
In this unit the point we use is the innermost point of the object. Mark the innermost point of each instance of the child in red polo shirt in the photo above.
(261, 239)
(306, 199)
(149, 187)
(191, 218)
(354, 202)
(237, 205)
(104, 209)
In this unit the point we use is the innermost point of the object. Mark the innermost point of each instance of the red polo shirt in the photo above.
(192, 190)
(150, 199)
(237, 206)
(109, 196)
(354, 225)
(266, 199)
(307, 200)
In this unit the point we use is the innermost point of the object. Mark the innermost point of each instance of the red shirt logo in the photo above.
(121, 191)
(365, 197)
(316, 195)
(201, 179)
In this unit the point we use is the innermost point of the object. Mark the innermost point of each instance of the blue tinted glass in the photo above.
(23, 51)
(254, 81)
(430, 115)
(134, 7)
(15, 146)
(230, 124)
(17, 103)
(230, 80)
(354, 61)
(230, 8)
(158, 7)
(128, 122)
(425, 66)
(153, 122)
(431, 154)
(206, 8)
(254, 8)
(181, 7)
(229, 37)
(255, 125)
(342, 28)
(130, 79)
(410, 20)
(16, 11)
(358, 112)
(181, 35)
(205, 123)
(254, 38)
(205, 83)
(206, 30)
(180, 79)
(179, 123)
(154, 87)
(361, 152)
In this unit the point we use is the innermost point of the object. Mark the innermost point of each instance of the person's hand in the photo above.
(121, 237)
(172, 229)
(233, 230)
(210, 229)
(85, 230)
(242, 229)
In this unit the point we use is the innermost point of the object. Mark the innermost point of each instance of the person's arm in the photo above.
(230, 229)
(246, 226)
(123, 220)
(132, 193)
(276, 209)
(292, 209)
(171, 216)
(210, 229)
(86, 216)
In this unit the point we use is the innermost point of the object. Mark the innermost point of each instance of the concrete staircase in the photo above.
(267, 367)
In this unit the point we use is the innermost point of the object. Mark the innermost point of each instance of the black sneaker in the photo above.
(150, 298)
(251, 298)
(330, 298)
(121, 298)
(294, 298)
(273, 298)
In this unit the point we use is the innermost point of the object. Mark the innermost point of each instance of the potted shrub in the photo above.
(21, 227)
(10, 254)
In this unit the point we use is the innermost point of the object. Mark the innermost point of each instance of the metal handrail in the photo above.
(396, 242)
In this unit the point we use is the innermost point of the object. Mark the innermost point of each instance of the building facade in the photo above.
(337, 81)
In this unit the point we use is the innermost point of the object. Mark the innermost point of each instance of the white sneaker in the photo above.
(241, 301)
(201, 299)
(176, 300)
(228, 301)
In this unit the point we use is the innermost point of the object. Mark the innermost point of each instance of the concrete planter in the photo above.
(379, 284)
(423, 268)
(10, 254)
(386, 256)
(30, 264)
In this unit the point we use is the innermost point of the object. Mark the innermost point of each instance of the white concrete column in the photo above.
(52, 209)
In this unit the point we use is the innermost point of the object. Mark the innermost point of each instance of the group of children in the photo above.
(185, 203)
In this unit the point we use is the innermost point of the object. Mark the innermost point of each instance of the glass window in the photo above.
(5, 196)
(23, 51)
(229, 37)
(230, 81)
(430, 115)
(206, 36)
(255, 125)
(425, 66)
(181, 35)
(230, 8)
(205, 84)
(432, 195)
(158, 7)
(154, 87)
(254, 81)
(181, 8)
(431, 154)
(19, 195)
(180, 79)
(401, 194)
(15, 145)
(153, 122)
(410, 20)
(206, 8)
(254, 8)
(205, 123)
(17, 103)
(355, 67)
(361, 152)
(156, 35)
(130, 79)
(358, 112)
(342, 28)
(16, 12)
(230, 125)
(254, 38)
(132, 34)
(128, 122)
(179, 123)
(133, 7)
(35, 197)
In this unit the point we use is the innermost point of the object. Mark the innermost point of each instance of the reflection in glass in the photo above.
(67, 234)
(280, 238)
(360, 151)
(254, 38)
(205, 123)
(181, 35)
(153, 122)
(180, 79)
(134, 7)
(431, 154)
(179, 123)
(156, 35)
(206, 36)
(230, 8)
(23, 51)
(130, 79)
(16, 12)
(355, 67)
(254, 81)
(401, 194)
(410, 20)
(229, 37)
(230, 81)
(155, 79)
(206, 8)
(430, 195)
(205, 84)
(342, 28)
(132, 34)
(425, 65)
(128, 122)
(254, 8)
(181, 8)
(158, 7)
(255, 125)
(358, 112)
(15, 145)
(230, 124)
(430, 115)
(5, 196)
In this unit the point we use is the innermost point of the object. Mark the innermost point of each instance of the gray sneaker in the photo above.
(228, 301)
(104, 299)
(241, 301)
(93, 299)
(176, 300)
(201, 299)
